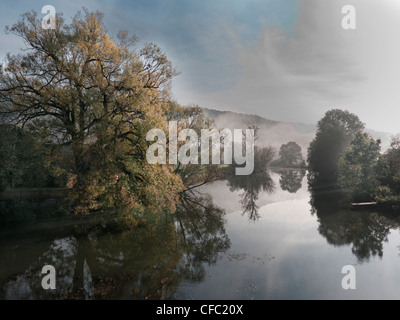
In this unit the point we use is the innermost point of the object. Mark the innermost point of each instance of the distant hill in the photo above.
(275, 133)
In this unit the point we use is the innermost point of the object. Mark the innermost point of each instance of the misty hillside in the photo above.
(275, 133)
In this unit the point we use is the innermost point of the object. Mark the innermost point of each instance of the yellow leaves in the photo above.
(102, 98)
(161, 188)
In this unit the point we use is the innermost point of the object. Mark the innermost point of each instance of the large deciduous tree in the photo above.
(95, 96)
(335, 131)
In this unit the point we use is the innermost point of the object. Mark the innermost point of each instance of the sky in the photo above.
(286, 60)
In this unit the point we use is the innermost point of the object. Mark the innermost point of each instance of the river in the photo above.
(266, 237)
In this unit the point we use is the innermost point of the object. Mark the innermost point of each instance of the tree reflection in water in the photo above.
(259, 180)
(118, 256)
(365, 230)
(291, 179)
(202, 225)
(251, 185)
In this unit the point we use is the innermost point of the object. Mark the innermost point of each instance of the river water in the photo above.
(266, 237)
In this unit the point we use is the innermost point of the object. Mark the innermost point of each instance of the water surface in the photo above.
(260, 237)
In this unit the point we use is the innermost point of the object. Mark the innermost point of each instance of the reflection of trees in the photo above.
(202, 226)
(253, 184)
(365, 231)
(290, 179)
(129, 258)
(27, 285)
(121, 256)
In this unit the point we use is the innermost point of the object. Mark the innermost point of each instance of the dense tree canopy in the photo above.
(357, 167)
(290, 155)
(98, 98)
(335, 131)
(389, 174)
(25, 162)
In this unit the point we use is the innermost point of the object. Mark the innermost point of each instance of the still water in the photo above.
(262, 237)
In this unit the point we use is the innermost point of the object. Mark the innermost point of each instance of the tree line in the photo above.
(343, 155)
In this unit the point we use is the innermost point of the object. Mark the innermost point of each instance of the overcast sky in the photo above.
(287, 60)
